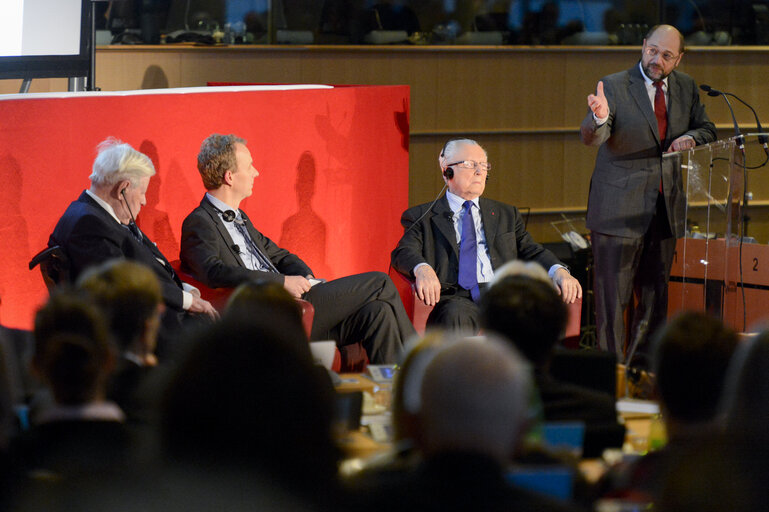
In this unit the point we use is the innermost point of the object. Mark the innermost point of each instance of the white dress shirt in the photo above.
(484, 271)
(249, 259)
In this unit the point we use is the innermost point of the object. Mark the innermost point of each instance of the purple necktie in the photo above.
(468, 254)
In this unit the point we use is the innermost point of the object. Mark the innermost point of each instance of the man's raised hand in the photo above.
(598, 102)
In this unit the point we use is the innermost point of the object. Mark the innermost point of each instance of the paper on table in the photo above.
(629, 405)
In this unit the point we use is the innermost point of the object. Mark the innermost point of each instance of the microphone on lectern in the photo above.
(737, 134)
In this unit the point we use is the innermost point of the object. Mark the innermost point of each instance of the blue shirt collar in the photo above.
(456, 202)
(222, 205)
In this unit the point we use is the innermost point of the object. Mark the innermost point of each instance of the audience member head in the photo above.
(528, 312)
(408, 383)
(475, 398)
(117, 161)
(746, 391)
(216, 157)
(520, 268)
(259, 299)
(72, 352)
(247, 397)
(260, 295)
(129, 293)
(727, 470)
(75, 368)
(691, 355)
(66, 312)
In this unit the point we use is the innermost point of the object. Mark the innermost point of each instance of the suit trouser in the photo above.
(456, 311)
(633, 266)
(177, 329)
(362, 308)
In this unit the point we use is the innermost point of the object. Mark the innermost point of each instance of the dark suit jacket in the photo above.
(451, 481)
(208, 252)
(629, 164)
(90, 236)
(433, 240)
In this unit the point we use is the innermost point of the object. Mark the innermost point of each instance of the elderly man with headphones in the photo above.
(100, 226)
(452, 246)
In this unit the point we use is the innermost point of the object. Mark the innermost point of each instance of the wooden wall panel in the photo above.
(233, 67)
(38, 85)
(140, 69)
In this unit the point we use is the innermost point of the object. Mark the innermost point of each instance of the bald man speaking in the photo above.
(636, 206)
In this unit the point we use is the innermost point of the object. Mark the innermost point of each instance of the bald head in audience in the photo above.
(475, 399)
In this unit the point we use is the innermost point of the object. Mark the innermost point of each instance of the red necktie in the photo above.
(660, 111)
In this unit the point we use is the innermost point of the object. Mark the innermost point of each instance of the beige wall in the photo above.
(523, 104)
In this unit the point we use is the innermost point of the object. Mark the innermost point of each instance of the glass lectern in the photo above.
(717, 267)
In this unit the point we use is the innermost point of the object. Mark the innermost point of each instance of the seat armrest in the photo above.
(308, 315)
(416, 310)
(216, 296)
(54, 266)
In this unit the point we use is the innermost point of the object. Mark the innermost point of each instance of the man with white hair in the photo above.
(453, 246)
(100, 226)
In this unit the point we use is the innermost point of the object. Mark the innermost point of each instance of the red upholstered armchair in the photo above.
(415, 308)
(418, 311)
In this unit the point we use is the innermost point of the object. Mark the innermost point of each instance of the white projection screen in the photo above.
(44, 38)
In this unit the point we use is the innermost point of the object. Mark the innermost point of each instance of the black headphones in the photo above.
(128, 207)
(227, 215)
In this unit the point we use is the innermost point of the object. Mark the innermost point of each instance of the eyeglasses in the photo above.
(653, 51)
(472, 164)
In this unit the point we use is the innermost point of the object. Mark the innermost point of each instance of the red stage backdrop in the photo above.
(332, 162)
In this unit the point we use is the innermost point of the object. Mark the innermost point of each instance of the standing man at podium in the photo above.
(636, 206)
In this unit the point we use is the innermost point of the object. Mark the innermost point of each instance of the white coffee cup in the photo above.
(323, 353)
